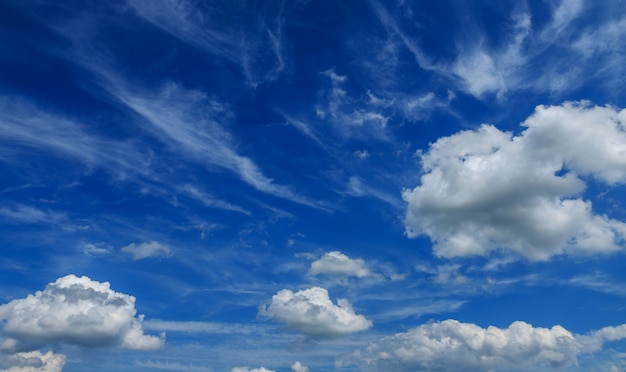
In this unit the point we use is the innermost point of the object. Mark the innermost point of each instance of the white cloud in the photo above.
(24, 124)
(485, 189)
(188, 121)
(337, 263)
(26, 214)
(32, 361)
(312, 312)
(76, 311)
(528, 54)
(351, 117)
(170, 366)
(452, 345)
(246, 369)
(151, 249)
(210, 201)
(255, 46)
(298, 367)
(356, 187)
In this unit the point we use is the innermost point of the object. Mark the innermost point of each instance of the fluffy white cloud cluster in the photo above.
(76, 311)
(337, 263)
(298, 367)
(485, 189)
(452, 345)
(32, 361)
(312, 312)
(246, 369)
(147, 249)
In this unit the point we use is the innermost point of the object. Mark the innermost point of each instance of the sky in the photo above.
(310, 185)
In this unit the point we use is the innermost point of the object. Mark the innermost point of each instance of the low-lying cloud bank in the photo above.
(452, 345)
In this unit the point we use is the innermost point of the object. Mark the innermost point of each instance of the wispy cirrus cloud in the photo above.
(249, 37)
(25, 126)
(188, 122)
(527, 56)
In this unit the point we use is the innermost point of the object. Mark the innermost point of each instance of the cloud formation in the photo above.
(484, 189)
(151, 249)
(526, 57)
(246, 369)
(32, 361)
(78, 311)
(337, 263)
(249, 37)
(298, 367)
(452, 345)
(311, 311)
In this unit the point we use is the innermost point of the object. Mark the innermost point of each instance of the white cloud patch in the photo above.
(298, 367)
(32, 361)
(484, 189)
(452, 345)
(151, 249)
(351, 117)
(246, 369)
(311, 311)
(527, 54)
(77, 311)
(337, 263)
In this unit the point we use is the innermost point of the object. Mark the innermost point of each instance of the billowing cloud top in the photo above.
(79, 311)
(337, 263)
(312, 312)
(452, 345)
(33, 361)
(485, 189)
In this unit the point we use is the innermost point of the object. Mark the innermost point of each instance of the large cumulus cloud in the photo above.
(485, 189)
(75, 310)
(312, 312)
(452, 345)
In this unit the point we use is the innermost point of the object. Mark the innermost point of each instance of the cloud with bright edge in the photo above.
(337, 263)
(245, 369)
(311, 311)
(452, 345)
(32, 361)
(78, 311)
(152, 249)
(298, 367)
(482, 190)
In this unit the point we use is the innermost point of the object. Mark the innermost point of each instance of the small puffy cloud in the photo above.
(298, 367)
(76, 311)
(484, 189)
(246, 369)
(145, 250)
(32, 361)
(312, 312)
(337, 263)
(452, 345)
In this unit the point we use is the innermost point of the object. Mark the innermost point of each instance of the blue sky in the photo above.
(312, 185)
